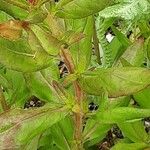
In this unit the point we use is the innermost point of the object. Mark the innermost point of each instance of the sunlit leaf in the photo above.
(130, 10)
(117, 81)
(80, 8)
(130, 146)
(60, 133)
(82, 50)
(13, 10)
(50, 44)
(135, 131)
(142, 98)
(19, 126)
(37, 16)
(135, 53)
(24, 62)
(11, 30)
(122, 114)
(94, 132)
(39, 87)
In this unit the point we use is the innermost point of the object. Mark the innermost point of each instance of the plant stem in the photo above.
(78, 117)
(68, 60)
(3, 101)
(96, 44)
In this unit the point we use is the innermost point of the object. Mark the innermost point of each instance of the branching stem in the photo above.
(78, 116)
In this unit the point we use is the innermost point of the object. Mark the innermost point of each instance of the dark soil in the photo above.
(62, 69)
(112, 136)
(33, 101)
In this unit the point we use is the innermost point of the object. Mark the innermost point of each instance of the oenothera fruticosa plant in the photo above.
(104, 76)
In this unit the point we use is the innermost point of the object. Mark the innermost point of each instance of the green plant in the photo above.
(80, 109)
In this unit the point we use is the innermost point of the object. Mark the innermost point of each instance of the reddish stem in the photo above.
(78, 116)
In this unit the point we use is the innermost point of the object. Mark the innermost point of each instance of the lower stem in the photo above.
(78, 117)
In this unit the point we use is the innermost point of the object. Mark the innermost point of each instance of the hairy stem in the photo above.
(3, 101)
(68, 60)
(78, 117)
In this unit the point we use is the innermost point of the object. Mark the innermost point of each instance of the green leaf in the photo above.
(4, 17)
(50, 44)
(16, 45)
(33, 144)
(118, 102)
(21, 126)
(142, 98)
(39, 87)
(119, 44)
(116, 48)
(85, 46)
(62, 3)
(135, 53)
(125, 63)
(122, 114)
(52, 72)
(46, 140)
(77, 9)
(61, 133)
(135, 9)
(23, 62)
(116, 81)
(147, 48)
(82, 51)
(13, 10)
(37, 16)
(17, 93)
(135, 131)
(4, 82)
(130, 146)
(94, 132)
